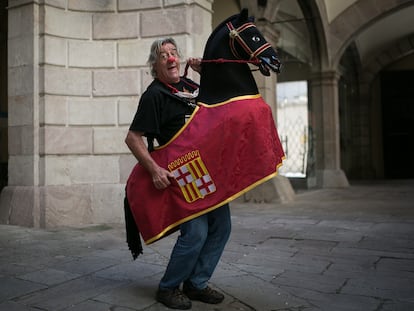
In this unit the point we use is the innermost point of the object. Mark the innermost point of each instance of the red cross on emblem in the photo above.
(183, 176)
(205, 185)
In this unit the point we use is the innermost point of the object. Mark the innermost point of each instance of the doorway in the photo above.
(397, 97)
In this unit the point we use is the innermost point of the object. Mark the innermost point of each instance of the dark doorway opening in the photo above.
(3, 95)
(397, 97)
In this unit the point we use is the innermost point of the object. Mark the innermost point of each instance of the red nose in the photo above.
(171, 59)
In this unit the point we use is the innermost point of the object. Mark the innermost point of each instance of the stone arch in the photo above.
(400, 49)
(316, 29)
(344, 28)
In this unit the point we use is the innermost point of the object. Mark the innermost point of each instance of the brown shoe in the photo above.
(206, 295)
(173, 298)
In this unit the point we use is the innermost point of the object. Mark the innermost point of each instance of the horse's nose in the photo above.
(273, 63)
(276, 62)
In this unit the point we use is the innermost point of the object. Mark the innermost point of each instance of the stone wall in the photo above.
(76, 70)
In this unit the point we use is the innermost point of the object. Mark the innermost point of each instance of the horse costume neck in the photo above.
(222, 81)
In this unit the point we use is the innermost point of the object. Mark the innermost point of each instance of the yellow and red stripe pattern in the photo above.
(194, 179)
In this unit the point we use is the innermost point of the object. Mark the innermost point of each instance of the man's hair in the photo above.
(155, 51)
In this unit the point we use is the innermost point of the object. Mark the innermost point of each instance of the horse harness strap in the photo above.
(222, 61)
(234, 34)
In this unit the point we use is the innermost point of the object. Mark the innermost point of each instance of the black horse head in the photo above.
(231, 45)
(247, 43)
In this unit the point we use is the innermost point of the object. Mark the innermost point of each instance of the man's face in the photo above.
(167, 65)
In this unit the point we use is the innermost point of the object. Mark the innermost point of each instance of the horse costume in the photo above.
(229, 145)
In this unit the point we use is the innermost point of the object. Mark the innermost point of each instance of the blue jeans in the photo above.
(198, 249)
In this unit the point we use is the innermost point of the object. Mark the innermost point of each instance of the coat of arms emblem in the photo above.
(192, 176)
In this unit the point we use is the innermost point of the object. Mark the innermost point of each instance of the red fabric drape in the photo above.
(223, 151)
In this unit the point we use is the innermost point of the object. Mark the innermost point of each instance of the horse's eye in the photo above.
(256, 38)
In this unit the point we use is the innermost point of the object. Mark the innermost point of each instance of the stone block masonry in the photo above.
(76, 71)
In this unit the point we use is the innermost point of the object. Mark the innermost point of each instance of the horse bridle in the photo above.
(234, 35)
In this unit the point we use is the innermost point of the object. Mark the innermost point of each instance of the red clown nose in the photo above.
(171, 59)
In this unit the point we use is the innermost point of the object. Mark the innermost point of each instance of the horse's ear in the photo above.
(244, 14)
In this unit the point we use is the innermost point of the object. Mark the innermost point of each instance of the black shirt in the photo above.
(161, 114)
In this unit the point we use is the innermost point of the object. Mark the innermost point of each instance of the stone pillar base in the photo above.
(55, 206)
(277, 189)
(328, 179)
(17, 206)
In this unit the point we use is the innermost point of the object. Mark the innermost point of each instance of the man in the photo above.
(163, 109)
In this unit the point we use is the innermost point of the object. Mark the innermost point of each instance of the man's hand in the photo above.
(195, 64)
(161, 178)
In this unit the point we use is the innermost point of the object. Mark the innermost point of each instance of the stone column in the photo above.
(324, 158)
(279, 188)
(3, 95)
(20, 199)
(364, 156)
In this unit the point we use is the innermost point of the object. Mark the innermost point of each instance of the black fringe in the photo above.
(133, 238)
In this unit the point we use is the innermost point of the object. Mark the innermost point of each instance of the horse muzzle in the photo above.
(269, 63)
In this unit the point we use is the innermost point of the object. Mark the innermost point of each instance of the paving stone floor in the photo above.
(331, 249)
